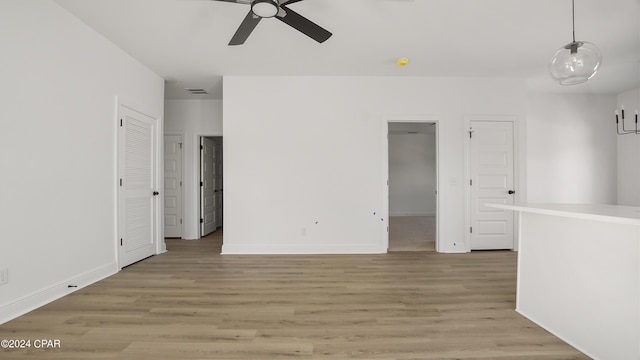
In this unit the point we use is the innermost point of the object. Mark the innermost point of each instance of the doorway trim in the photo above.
(467, 171)
(418, 119)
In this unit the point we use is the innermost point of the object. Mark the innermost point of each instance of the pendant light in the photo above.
(576, 62)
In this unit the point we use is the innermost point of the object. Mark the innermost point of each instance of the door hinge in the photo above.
(201, 221)
(180, 145)
(471, 229)
(387, 229)
(201, 183)
(470, 182)
(201, 147)
(120, 182)
(180, 182)
(121, 122)
(180, 221)
(120, 242)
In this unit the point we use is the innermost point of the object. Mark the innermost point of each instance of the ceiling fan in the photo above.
(275, 8)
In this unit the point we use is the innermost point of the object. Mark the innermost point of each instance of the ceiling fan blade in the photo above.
(304, 25)
(285, 2)
(246, 28)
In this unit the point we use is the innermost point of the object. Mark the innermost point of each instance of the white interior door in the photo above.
(218, 190)
(137, 206)
(207, 186)
(173, 186)
(492, 174)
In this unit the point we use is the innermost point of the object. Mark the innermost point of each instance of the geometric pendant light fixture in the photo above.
(576, 62)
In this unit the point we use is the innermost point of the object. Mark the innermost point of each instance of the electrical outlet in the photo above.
(4, 276)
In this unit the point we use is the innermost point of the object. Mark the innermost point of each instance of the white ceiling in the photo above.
(185, 41)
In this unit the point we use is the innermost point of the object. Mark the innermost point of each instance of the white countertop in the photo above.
(609, 213)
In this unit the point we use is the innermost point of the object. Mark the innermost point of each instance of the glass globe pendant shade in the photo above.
(575, 63)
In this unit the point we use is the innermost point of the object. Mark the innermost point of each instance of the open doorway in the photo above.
(211, 189)
(413, 185)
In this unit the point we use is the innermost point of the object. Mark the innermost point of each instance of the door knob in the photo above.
(156, 193)
(511, 192)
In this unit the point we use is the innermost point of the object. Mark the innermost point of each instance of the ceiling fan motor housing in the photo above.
(265, 8)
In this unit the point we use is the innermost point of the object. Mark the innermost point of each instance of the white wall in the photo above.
(628, 151)
(58, 138)
(192, 119)
(571, 149)
(412, 174)
(305, 164)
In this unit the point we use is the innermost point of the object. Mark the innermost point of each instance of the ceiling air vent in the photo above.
(197, 91)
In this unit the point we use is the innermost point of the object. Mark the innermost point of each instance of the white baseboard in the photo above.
(412, 214)
(45, 296)
(301, 250)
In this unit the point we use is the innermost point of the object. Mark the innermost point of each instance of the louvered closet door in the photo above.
(137, 202)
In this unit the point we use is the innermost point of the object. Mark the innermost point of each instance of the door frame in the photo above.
(182, 192)
(418, 119)
(159, 243)
(518, 196)
(203, 225)
(195, 198)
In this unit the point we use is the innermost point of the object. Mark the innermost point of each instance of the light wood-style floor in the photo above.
(412, 233)
(192, 303)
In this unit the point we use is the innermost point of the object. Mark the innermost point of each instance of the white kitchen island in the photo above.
(579, 275)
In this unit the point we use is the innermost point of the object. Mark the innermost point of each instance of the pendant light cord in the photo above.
(573, 16)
